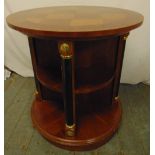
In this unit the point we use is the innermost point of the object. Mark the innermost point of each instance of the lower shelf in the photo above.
(93, 130)
(46, 78)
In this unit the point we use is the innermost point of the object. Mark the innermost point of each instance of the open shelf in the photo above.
(86, 89)
(46, 79)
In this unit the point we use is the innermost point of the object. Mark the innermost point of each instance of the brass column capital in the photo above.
(65, 50)
(125, 36)
(116, 98)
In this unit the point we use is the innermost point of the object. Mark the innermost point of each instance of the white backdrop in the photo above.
(136, 59)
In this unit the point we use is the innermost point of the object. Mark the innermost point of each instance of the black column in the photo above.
(119, 63)
(66, 53)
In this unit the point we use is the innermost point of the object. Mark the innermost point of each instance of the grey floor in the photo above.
(21, 138)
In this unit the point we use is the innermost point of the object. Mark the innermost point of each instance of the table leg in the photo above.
(66, 53)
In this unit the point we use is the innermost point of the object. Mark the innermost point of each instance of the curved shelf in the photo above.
(47, 80)
(92, 88)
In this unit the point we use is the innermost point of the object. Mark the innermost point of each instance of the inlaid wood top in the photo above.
(74, 21)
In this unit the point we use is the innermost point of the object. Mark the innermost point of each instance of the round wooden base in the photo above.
(92, 131)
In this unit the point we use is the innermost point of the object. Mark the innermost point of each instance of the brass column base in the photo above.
(70, 130)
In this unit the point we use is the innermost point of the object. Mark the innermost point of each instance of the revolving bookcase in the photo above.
(77, 55)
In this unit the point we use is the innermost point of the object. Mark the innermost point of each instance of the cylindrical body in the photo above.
(96, 62)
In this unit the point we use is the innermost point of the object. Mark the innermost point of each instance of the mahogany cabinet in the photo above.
(77, 54)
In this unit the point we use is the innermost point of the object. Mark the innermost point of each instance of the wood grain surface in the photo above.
(75, 21)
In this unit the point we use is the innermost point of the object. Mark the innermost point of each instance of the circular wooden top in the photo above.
(74, 21)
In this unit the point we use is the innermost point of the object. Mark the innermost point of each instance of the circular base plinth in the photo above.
(92, 131)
